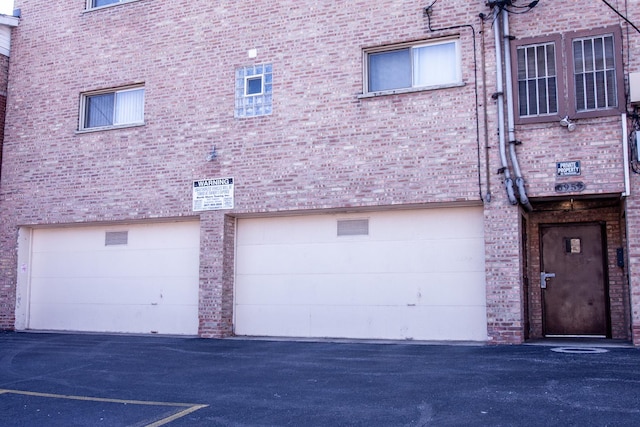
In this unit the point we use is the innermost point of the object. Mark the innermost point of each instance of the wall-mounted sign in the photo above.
(570, 187)
(568, 168)
(213, 194)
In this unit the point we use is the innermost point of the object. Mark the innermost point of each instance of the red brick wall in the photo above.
(633, 201)
(322, 148)
(4, 74)
(7, 288)
(607, 211)
(597, 144)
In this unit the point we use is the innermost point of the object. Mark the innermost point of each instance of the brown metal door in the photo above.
(573, 280)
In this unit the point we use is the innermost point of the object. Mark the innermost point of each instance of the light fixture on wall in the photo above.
(568, 124)
(212, 155)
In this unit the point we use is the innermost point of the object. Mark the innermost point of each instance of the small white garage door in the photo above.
(413, 274)
(140, 278)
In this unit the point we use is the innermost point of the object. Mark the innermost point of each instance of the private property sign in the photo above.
(213, 194)
(568, 168)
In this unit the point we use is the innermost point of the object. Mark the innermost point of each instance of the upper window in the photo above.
(413, 66)
(537, 80)
(105, 109)
(98, 3)
(594, 76)
(92, 4)
(594, 70)
(254, 91)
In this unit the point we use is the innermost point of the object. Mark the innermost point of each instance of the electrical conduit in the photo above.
(508, 182)
(522, 192)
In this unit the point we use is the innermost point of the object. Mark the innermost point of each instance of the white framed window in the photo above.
(253, 85)
(99, 3)
(254, 91)
(96, 4)
(112, 108)
(414, 66)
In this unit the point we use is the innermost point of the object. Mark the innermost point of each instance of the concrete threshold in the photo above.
(580, 342)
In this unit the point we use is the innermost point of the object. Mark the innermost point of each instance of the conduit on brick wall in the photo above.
(508, 182)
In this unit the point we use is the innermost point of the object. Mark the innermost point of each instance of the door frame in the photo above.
(605, 270)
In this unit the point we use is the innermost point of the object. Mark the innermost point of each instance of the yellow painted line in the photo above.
(190, 407)
(176, 416)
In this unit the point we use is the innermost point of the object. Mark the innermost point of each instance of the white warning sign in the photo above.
(213, 194)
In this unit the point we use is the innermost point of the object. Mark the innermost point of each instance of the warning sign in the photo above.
(213, 194)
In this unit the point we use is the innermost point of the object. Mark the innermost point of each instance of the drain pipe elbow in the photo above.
(508, 183)
(524, 200)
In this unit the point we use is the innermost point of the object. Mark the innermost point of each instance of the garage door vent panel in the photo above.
(113, 238)
(353, 227)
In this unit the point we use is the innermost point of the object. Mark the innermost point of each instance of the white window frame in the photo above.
(246, 84)
(455, 81)
(90, 5)
(82, 127)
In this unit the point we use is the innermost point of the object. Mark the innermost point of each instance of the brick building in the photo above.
(384, 169)
(6, 24)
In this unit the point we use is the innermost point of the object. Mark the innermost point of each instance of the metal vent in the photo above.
(112, 238)
(353, 227)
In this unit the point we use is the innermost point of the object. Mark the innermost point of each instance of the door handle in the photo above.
(543, 279)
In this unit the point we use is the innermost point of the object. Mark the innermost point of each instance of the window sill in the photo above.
(104, 128)
(572, 115)
(532, 120)
(106, 6)
(408, 90)
(592, 114)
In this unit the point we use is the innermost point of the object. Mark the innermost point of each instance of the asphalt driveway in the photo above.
(92, 380)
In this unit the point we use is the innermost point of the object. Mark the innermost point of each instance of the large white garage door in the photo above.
(125, 278)
(413, 274)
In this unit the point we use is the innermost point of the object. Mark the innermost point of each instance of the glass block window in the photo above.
(537, 80)
(595, 73)
(254, 91)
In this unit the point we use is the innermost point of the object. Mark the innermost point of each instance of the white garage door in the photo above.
(126, 278)
(414, 274)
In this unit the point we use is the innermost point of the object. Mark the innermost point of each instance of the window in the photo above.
(98, 3)
(254, 91)
(594, 68)
(413, 66)
(93, 4)
(593, 80)
(253, 85)
(114, 108)
(537, 80)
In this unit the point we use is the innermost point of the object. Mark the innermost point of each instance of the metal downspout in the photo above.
(508, 182)
(625, 156)
(522, 192)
